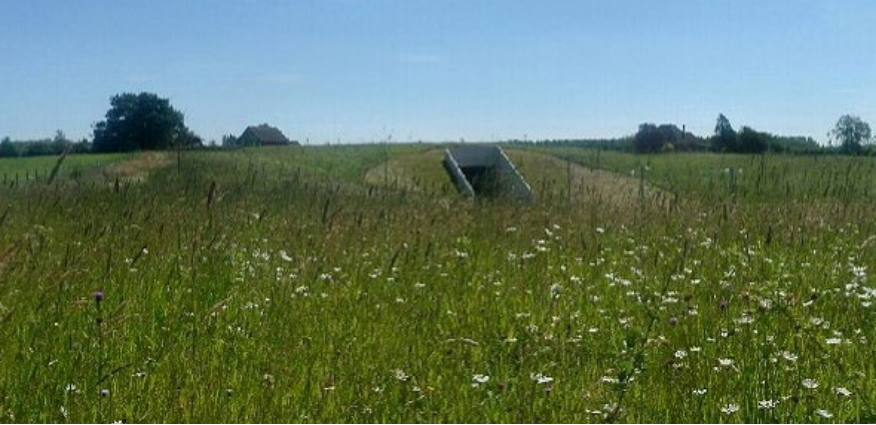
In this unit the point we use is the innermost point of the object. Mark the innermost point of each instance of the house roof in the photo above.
(266, 134)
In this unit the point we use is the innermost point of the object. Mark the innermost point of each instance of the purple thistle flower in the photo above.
(98, 296)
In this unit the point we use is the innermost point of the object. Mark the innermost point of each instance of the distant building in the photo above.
(263, 135)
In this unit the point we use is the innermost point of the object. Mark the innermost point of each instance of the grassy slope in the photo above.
(239, 288)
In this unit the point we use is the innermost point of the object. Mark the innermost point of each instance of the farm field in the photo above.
(29, 169)
(352, 284)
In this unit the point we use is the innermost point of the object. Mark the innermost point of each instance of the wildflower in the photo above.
(824, 413)
(104, 392)
(269, 379)
(701, 391)
(833, 341)
(730, 409)
(609, 380)
(767, 404)
(72, 388)
(555, 290)
(400, 375)
(745, 319)
(64, 412)
(842, 391)
(789, 356)
(680, 354)
(98, 296)
(541, 378)
(285, 255)
(725, 362)
(810, 384)
(479, 379)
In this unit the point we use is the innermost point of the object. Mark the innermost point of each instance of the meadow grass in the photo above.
(768, 178)
(29, 169)
(275, 285)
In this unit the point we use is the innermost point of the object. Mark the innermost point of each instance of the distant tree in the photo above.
(671, 133)
(799, 144)
(752, 141)
(140, 122)
(7, 148)
(851, 131)
(229, 141)
(724, 139)
(648, 139)
(60, 142)
(82, 146)
(38, 147)
(191, 140)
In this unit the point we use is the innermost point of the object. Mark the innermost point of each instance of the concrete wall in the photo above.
(473, 156)
(512, 183)
(456, 174)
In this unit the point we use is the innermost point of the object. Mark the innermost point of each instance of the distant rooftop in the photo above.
(263, 134)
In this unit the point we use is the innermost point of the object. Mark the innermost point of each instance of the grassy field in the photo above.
(322, 284)
(29, 169)
(750, 178)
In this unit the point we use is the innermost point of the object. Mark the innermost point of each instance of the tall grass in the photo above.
(764, 178)
(274, 286)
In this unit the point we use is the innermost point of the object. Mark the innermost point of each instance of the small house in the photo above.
(263, 135)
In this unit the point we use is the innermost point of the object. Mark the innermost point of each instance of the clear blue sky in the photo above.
(363, 70)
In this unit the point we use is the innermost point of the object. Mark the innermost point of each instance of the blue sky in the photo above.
(357, 71)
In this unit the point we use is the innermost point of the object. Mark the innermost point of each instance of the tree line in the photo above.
(54, 146)
(851, 133)
(133, 122)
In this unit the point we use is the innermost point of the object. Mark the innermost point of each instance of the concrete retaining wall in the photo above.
(490, 163)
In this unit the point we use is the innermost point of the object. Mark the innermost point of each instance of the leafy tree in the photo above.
(724, 139)
(752, 141)
(140, 121)
(851, 131)
(648, 139)
(191, 140)
(229, 141)
(7, 148)
(60, 143)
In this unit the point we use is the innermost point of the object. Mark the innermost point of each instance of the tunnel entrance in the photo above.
(485, 171)
(484, 180)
